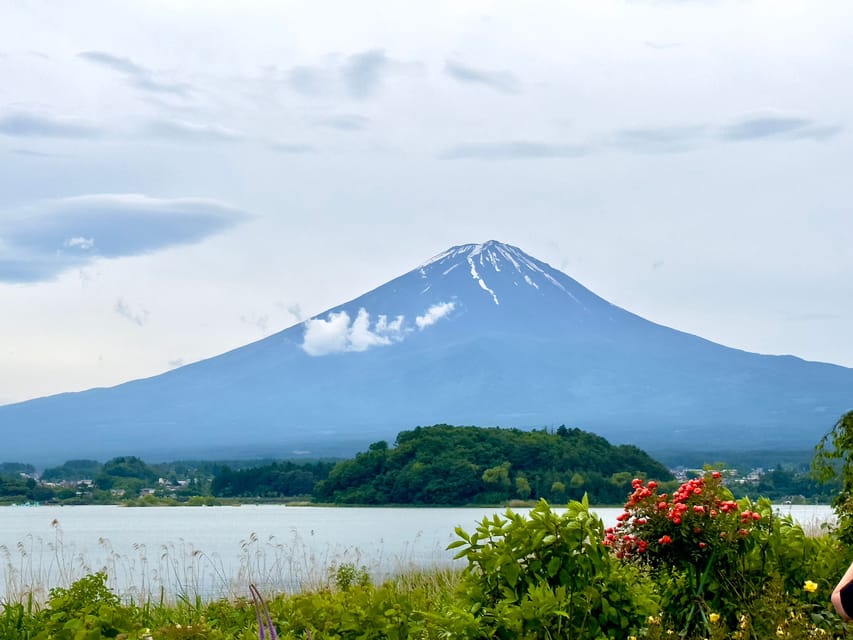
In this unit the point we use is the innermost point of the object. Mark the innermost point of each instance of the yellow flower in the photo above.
(714, 618)
(810, 586)
(632, 637)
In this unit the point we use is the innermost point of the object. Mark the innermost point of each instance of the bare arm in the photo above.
(836, 593)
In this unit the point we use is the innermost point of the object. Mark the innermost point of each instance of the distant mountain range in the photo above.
(482, 334)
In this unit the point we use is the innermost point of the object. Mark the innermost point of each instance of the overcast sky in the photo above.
(181, 178)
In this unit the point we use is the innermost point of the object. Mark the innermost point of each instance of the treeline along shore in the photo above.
(435, 465)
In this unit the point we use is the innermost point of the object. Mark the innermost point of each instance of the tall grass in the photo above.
(179, 572)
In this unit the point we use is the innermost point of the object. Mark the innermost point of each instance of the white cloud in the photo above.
(435, 313)
(361, 338)
(80, 242)
(385, 327)
(323, 337)
(336, 334)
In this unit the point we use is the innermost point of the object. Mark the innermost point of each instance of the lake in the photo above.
(216, 551)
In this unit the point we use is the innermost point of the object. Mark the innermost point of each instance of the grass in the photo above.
(178, 571)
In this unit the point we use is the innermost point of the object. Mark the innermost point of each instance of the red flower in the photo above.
(665, 539)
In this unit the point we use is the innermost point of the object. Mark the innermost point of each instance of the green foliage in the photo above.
(348, 575)
(541, 576)
(14, 468)
(87, 610)
(16, 488)
(834, 458)
(17, 620)
(550, 576)
(468, 465)
(782, 484)
(276, 480)
(126, 472)
(73, 471)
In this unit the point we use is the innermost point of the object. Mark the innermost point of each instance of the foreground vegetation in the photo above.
(691, 564)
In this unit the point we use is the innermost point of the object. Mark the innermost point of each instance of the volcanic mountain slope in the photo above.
(481, 334)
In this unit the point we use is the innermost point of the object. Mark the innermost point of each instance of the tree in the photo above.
(498, 475)
(834, 456)
(522, 487)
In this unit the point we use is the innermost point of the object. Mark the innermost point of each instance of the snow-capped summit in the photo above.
(498, 261)
(480, 334)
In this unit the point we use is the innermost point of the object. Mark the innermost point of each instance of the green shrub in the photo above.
(347, 575)
(550, 576)
(86, 610)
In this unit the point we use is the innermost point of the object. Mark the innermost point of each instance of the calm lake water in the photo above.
(217, 551)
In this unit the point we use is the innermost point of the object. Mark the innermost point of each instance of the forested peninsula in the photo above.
(447, 465)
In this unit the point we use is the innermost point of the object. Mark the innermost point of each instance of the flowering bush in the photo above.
(703, 545)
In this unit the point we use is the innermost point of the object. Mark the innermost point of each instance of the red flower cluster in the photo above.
(699, 514)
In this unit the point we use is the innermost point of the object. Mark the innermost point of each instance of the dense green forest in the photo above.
(276, 480)
(468, 465)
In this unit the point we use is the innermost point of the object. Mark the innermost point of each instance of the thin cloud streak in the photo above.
(345, 122)
(357, 76)
(516, 149)
(660, 139)
(292, 148)
(34, 125)
(756, 128)
(190, 131)
(652, 140)
(138, 76)
(139, 318)
(502, 81)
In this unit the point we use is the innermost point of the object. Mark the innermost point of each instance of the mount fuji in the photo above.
(482, 334)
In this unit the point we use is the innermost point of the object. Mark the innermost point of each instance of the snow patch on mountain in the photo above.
(475, 274)
(338, 333)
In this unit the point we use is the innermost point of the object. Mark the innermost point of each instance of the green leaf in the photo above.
(554, 566)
